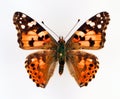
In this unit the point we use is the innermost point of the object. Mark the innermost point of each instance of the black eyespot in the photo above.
(46, 36)
(32, 65)
(91, 65)
(75, 36)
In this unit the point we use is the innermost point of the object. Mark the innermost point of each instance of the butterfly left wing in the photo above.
(32, 35)
(82, 66)
(91, 35)
(40, 66)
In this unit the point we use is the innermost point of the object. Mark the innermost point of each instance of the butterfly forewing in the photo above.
(32, 35)
(91, 35)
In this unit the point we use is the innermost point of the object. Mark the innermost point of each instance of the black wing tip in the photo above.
(18, 13)
(105, 13)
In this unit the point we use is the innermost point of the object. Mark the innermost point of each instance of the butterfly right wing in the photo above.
(40, 66)
(32, 35)
(82, 66)
(91, 35)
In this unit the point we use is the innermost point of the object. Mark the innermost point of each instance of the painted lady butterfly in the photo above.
(40, 65)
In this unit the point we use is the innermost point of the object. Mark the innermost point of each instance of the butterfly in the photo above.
(40, 65)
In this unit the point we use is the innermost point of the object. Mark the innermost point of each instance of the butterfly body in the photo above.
(40, 65)
(61, 54)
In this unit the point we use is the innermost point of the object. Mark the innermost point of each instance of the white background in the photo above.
(60, 16)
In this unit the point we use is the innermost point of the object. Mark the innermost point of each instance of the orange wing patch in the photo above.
(40, 67)
(89, 69)
(83, 66)
(89, 40)
(33, 40)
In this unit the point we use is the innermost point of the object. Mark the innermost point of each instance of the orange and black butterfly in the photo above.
(82, 65)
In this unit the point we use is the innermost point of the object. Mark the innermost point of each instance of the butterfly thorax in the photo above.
(61, 54)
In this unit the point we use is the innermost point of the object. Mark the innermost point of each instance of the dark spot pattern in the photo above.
(76, 36)
(43, 37)
(31, 42)
(38, 85)
(92, 42)
(39, 30)
(82, 38)
(40, 38)
(32, 65)
(91, 65)
(86, 84)
(79, 37)
(46, 36)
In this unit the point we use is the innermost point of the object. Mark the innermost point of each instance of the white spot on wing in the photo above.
(98, 15)
(23, 26)
(20, 22)
(23, 15)
(43, 33)
(99, 26)
(20, 18)
(30, 24)
(88, 22)
(80, 33)
(101, 21)
(92, 24)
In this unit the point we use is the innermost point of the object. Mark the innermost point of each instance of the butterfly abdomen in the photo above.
(61, 55)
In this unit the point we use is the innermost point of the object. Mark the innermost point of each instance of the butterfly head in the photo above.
(61, 40)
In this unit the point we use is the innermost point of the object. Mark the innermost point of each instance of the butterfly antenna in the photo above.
(72, 28)
(49, 29)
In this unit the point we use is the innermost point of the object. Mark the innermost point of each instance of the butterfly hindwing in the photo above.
(91, 35)
(32, 35)
(40, 66)
(82, 66)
